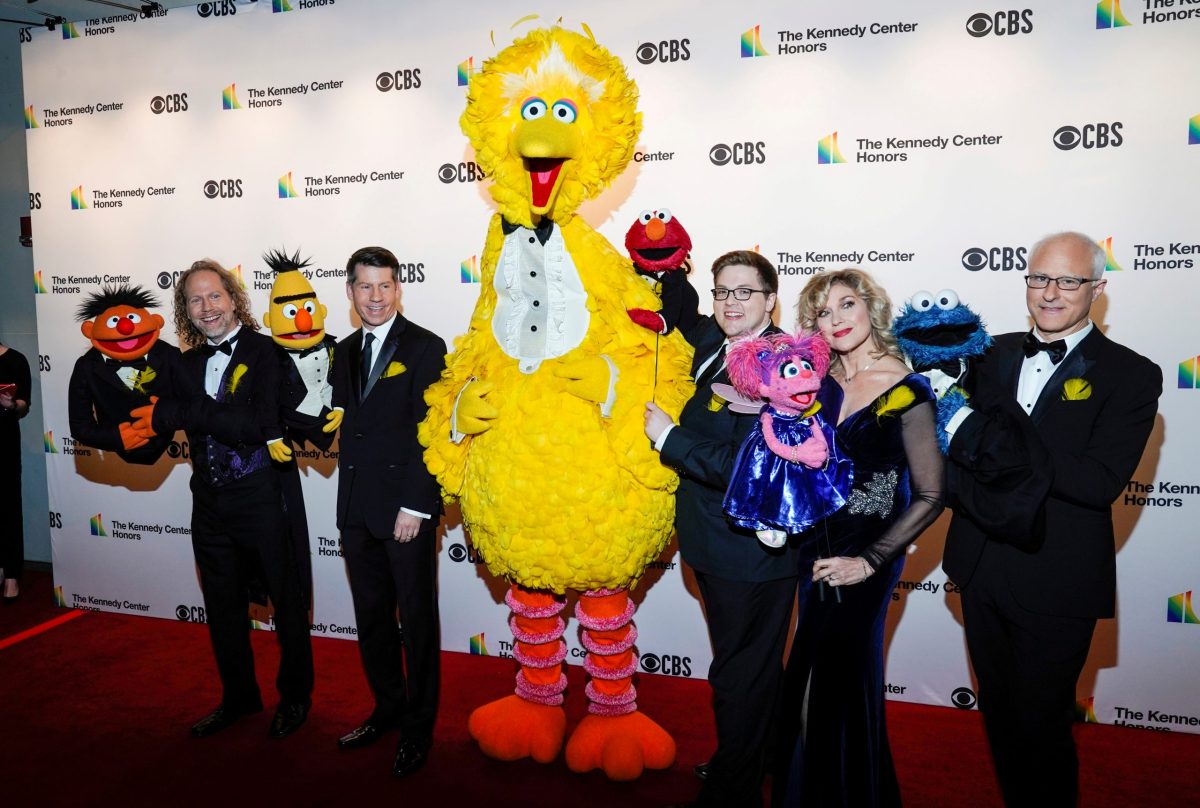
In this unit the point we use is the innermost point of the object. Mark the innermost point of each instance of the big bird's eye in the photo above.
(309, 306)
(533, 109)
(289, 311)
(564, 111)
(133, 318)
(111, 322)
(663, 214)
(922, 301)
(645, 217)
(947, 299)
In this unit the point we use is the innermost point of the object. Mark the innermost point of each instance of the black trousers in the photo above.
(403, 667)
(12, 543)
(1027, 665)
(239, 530)
(747, 624)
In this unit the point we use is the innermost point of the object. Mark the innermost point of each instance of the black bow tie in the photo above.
(951, 367)
(1056, 349)
(225, 347)
(543, 230)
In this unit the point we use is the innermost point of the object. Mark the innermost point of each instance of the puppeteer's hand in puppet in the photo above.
(788, 474)
(296, 320)
(125, 366)
(659, 246)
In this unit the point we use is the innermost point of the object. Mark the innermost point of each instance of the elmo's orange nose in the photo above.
(655, 229)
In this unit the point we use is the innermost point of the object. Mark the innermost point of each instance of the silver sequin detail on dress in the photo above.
(876, 495)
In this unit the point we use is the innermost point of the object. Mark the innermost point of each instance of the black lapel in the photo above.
(353, 353)
(1075, 365)
(106, 372)
(241, 351)
(385, 354)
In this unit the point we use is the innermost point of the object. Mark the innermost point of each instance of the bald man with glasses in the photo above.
(1057, 421)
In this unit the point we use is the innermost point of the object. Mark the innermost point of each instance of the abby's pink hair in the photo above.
(752, 362)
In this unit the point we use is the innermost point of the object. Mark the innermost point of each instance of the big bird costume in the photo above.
(537, 423)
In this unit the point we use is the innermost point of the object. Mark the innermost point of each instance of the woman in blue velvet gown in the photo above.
(834, 747)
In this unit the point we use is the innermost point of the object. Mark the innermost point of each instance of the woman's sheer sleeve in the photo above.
(927, 485)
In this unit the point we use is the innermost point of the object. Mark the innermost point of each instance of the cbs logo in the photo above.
(56, 519)
(460, 552)
(740, 154)
(24, 35)
(666, 664)
(398, 80)
(174, 102)
(223, 189)
(963, 698)
(1089, 136)
(1001, 23)
(167, 279)
(35, 201)
(227, 8)
(667, 50)
(179, 449)
(461, 172)
(190, 614)
(997, 259)
(43, 363)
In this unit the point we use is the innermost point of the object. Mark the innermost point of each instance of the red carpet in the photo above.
(96, 711)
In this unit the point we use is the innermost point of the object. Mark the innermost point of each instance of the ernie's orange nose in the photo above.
(303, 320)
(125, 326)
(655, 229)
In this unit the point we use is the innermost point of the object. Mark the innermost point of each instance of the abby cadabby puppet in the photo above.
(788, 474)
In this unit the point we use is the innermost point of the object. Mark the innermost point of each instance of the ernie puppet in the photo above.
(536, 425)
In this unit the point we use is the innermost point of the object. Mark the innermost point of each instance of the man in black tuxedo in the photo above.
(228, 403)
(388, 506)
(1073, 410)
(747, 588)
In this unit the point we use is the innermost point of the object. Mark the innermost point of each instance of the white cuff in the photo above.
(956, 420)
(662, 438)
(416, 513)
(606, 407)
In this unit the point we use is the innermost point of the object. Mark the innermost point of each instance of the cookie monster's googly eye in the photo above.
(564, 111)
(663, 214)
(111, 322)
(289, 311)
(133, 317)
(921, 301)
(947, 299)
(645, 217)
(533, 109)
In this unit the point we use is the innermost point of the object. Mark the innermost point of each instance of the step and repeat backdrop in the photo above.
(928, 142)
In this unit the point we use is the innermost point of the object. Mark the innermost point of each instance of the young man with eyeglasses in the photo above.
(1057, 421)
(747, 588)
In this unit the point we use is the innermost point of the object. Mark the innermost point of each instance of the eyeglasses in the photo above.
(740, 293)
(1067, 283)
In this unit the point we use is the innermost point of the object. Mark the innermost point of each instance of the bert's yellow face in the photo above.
(296, 317)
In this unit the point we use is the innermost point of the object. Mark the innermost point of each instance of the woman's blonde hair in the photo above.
(879, 308)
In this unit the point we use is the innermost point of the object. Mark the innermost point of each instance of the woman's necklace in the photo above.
(851, 377)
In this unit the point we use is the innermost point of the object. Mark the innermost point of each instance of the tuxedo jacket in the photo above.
(98, 401)
(680, 301)
(1084, 438)
(380, 461)
(301, 427)
(702, 449)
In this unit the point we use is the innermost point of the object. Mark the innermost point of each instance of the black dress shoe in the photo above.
(220, 719)
(289, 717)
(363, 735)
(701, 770)
(410, 756)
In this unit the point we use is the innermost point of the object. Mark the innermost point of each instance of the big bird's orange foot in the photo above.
(512, 728)
(623, 746)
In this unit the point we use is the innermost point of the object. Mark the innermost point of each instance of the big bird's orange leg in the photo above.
(532, 722)
(614, 736)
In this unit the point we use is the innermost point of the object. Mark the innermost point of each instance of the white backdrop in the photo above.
(951, 140)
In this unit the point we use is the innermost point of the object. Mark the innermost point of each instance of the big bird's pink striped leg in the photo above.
(615, 736)
(530, 723)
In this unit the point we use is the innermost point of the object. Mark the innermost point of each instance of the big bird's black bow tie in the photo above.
(1056, 349)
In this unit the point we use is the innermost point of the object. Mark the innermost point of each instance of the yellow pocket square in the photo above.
(716, 403)
(1076, 390)
(393, 369)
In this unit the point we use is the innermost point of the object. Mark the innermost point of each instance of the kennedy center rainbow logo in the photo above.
(1188, 376)
(1179, 609)
(286, 189)
(828, 152)
(59, 599)
(752, 43)
(1085, 711)
(280, 6)
(478, 646)
(469, 270)
(39, 288)
(237, 273)
(1108, 15)
(1110, 264)
(77, 202)
(97, 526)
(31, 121)
(1193, 131)
(465, 71)
(70, 31)
(48, 442)
(229, 99)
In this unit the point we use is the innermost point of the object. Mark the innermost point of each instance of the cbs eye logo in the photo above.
(667, 50)
(740, 154)
(409, 79)
(227, 8)
(963, 698)
(178, 449)
(458, 552)
(461, 172)
(1089, 136)
(173, 102)
(224, 189)
(1000, 23)
(997, 259)
(167, 279)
